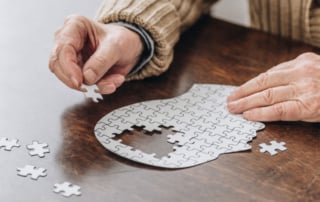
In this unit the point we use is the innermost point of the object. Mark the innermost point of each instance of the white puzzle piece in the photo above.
(67, 189)
(91, 92)
(205, 128)
(33, 171)
(38, 149)
(273, 148)
(8, 144)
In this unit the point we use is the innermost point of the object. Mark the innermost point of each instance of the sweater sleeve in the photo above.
(314, 26)
(164, 20)
(297, 20)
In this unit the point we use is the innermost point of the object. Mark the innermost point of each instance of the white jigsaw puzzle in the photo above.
(8, 144)
(273, 147)
(91, 92)
(33, 171)
(38, 149)
(205, 128)
(67, 189)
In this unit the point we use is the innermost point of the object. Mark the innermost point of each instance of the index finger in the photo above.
(64, 64)
(262, 82)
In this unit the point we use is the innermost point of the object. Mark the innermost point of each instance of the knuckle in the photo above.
(268, 96)
(262, 79)
(100, 60)
(279, 110)
(73, 17)
(295, 89)
(312, 106)
(307, 65)
(307, 56)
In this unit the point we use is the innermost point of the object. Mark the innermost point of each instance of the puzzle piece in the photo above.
(33, 171)
(204, 127)
(8, 144)
(273, 147)
(38, 149)
(67, 189)
(91, 92)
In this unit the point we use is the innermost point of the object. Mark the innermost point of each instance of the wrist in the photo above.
(147, 50)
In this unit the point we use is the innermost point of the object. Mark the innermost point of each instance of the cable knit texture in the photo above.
(164, 20)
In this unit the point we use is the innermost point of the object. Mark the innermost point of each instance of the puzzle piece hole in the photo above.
(148, 142)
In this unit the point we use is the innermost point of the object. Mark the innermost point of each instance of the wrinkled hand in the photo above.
(289, 91)
(90, 52)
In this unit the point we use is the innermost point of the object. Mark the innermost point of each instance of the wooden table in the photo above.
(36, 106)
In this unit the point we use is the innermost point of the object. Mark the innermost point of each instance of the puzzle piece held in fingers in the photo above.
(92, 92)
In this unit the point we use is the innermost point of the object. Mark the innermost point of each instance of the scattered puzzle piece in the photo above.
(91, 92)
(33, 171)
(67, 189)
(8, 144)
(273, 147)
(204, 127)
(38, 149)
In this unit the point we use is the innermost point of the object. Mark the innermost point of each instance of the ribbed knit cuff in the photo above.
(314, 25)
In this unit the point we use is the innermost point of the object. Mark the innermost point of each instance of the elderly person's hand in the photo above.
(289, 92)
(90, 52)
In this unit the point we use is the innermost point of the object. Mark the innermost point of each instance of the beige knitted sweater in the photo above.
(166, 19)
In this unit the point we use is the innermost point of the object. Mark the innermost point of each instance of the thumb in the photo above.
(99, 64)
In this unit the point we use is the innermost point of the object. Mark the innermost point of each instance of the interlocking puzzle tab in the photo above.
(91, 92)
(8, 144)
(273, 147)
(205, 128)
(38, 149)
(33, 171)
(67, 189)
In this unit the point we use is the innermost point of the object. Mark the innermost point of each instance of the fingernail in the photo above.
(230, 97)
(107, 89)
(119, 80)
(75, 82)
(89, 76)
(231, 106)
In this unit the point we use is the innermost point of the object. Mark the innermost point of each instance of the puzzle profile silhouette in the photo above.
(205, 129)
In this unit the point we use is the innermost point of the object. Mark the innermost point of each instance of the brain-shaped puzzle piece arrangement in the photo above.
(205, 128)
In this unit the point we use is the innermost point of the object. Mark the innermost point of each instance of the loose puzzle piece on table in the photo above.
(205, 128)
(33, 171)
(8, 144)
(91, 92)
(67, 189)
(38, 149)
(273, 147)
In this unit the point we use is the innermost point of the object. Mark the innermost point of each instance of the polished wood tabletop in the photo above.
(36, 106)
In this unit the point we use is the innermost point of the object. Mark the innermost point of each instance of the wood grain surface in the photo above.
(36, 106)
